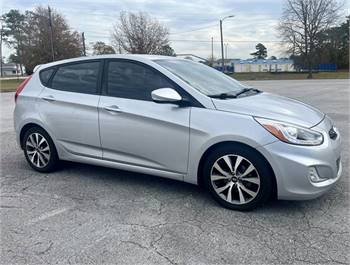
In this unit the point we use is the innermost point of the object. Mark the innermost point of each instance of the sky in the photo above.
(191, 23)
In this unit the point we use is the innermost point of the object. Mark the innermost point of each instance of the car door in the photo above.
(68, 106)
(135, 130)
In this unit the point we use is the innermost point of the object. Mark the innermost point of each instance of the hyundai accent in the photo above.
(178, 119)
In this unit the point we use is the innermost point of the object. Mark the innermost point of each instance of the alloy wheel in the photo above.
(235, 179)
(38, 150)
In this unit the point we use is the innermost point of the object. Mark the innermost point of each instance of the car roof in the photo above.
(137, 57)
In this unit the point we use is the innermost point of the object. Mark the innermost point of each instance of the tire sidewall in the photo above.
(258, 162)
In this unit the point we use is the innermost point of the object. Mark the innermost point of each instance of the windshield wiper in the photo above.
(245, 90)
(228, 95)
(223, 96)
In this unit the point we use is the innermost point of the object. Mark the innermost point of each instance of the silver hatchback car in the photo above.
(177, 119)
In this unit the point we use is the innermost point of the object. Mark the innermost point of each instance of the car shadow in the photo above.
(182, 189)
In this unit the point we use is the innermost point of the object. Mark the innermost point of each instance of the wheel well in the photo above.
(237, 144)
(25, 129)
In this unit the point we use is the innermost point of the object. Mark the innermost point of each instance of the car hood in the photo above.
(272, 106)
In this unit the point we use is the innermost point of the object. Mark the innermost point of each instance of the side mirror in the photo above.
(166, 95)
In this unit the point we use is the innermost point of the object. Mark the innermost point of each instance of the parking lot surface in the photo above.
(84, 214)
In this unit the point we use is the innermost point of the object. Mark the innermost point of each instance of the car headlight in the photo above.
(290, 133)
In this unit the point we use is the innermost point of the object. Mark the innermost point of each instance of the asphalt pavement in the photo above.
(84, 214)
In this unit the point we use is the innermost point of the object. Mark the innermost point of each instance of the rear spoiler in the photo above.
(36, 68)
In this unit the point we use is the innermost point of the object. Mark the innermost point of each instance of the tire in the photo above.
(248, 185)
(43, 156)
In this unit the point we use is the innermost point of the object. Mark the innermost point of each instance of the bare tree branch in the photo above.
(301, 23)
(139, 33)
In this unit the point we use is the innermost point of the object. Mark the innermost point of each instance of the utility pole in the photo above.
(20, 52)
(222, 49)
(226, 50)
(212, 51)
(293, 47)
(51, 34)
(222, 44)
(120, 48)
(83, 39)
(1, 33)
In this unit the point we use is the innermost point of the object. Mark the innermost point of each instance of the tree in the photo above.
(66, 43)
(334, 45)
(13, 58)
(261, 52)
(13, 34)
(273, 57)
(29, 34)
(167, 50)
(302, 22)
(100, 47)
(139, 33)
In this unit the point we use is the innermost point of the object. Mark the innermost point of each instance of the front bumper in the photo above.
(292, 165)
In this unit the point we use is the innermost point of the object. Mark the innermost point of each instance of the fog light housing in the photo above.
(313, 175)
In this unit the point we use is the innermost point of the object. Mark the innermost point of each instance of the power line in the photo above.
(230, 41)
(207, 27)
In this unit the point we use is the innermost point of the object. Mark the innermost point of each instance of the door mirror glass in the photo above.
(166, 95)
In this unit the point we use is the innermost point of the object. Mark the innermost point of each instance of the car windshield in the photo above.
(205, 79)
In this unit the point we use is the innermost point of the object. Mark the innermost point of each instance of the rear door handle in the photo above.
(48, 98)
(113, 108)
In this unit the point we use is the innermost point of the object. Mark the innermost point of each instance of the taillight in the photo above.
(21, 86)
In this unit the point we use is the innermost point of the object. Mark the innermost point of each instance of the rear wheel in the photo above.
(40, 150)
(238, 177)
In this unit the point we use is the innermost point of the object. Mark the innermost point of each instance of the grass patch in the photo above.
(290, 76)
(9, 85)
(12, 84)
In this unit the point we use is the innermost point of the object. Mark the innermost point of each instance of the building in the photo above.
(228, 64)
(264, 65)
(256, 65)
(10, 69)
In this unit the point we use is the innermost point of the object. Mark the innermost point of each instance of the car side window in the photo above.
(45, 75)
(133, 80)
(77, 77)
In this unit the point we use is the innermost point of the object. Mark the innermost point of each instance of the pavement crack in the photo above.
(10, 207)
(155, 249)
(164, 256)
(133, 243)
(46, 250)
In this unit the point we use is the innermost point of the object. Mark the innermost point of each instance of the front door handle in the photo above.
(113, 108)
(48, 98)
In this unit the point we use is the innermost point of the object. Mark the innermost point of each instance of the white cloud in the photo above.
(255, 21)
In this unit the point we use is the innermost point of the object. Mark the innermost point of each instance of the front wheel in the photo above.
(238, 177)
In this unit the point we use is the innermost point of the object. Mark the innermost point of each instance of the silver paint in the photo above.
(169, 140)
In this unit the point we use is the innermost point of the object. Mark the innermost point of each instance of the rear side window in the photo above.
(78, 77)
(45, 76)
(134, 81)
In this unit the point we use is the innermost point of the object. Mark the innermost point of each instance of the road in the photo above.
(90, 215)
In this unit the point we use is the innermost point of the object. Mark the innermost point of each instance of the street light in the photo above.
(222, 43)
